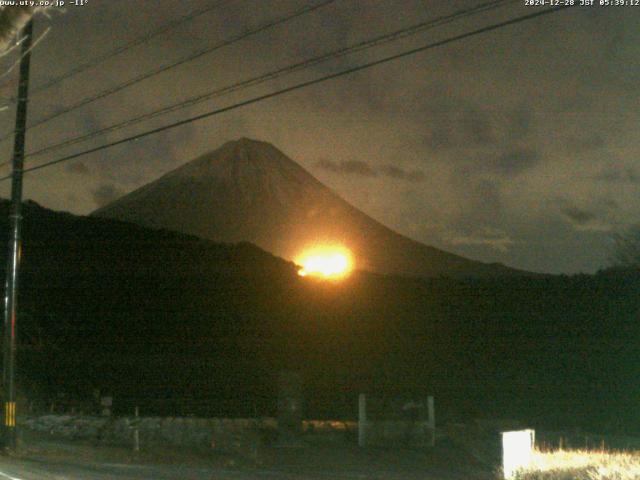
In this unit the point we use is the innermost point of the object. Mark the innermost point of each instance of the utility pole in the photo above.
(15, 246)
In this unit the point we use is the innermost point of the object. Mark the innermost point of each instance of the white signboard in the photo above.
(517, 451)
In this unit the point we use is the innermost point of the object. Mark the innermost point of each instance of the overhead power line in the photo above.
(308, 63)
(299, 86)
(128, 46)
(189, 58)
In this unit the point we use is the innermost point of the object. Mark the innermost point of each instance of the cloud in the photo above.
(106, 194)
(479, 202)
(486, 236)
(78, 168)
(585, 220)
(453, 123)
(477, 126)
(520, 122)
(618, 175)
(578, 216)
(364, 169)
(516, 161)
(348, 167)
(440, 137)
(584, 143)
(402, 174)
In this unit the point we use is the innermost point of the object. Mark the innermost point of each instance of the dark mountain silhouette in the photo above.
(179, 325)
(250, 191)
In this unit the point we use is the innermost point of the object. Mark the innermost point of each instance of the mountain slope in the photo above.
(250, 191)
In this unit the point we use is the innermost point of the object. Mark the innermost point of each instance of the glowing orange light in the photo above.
(329, 262)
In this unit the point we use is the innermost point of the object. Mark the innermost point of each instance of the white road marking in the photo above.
(9, 476)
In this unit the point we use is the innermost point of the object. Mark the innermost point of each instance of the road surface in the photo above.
(49, 459)
(46, 469)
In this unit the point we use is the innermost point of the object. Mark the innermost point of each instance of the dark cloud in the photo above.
(610, 204)
(498, 163)
(477, 126)
(574, 102)
(585, 142)
(401, 174)
(106, 194)
(486, 193)
(578, 216)
(618, 175)
(348, 167)
(520, 122)
(516, 161)
(482, 208)
(440, 136)
(78, 168)
(454, 123)
(599, 216)
(363, 169)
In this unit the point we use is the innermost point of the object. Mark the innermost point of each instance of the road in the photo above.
(35, 469)
(45, 458)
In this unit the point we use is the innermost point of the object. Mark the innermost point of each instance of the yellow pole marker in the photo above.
(10, 414)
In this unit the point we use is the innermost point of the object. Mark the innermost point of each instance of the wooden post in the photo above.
(362, 420)
(136, 432)
(289, 406)
(431, 412)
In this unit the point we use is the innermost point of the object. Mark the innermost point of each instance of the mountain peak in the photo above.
(248, 190)
(245, 146)
(244, 141)
(236, 155)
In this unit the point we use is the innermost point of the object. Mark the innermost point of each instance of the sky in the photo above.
(517, 146)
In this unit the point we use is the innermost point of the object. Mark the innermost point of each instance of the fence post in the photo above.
(289, 406)
(362, 420)
(136, 432)
(431, 412)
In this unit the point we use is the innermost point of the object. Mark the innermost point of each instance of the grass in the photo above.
(582, 465)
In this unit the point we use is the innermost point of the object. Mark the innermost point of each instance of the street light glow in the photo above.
(327, 262)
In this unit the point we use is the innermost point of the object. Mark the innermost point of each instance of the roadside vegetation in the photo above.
(582, 465)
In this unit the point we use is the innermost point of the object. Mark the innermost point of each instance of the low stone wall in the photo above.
(217, 433)
(207, 433)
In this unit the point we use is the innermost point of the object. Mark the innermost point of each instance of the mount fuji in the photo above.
(248, 190)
